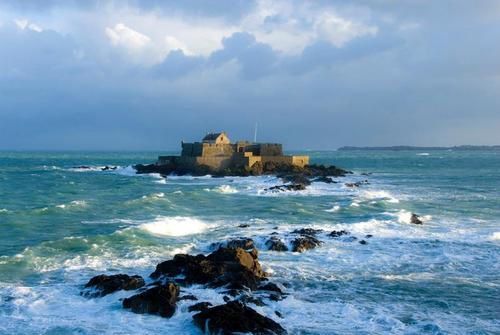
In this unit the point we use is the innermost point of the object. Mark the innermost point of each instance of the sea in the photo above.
(63, 220)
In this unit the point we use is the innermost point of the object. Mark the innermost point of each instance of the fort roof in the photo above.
(212, 136)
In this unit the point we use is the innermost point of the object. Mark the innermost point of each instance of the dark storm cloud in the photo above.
(429, 76)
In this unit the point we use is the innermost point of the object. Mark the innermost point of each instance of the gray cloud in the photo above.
(428, 77)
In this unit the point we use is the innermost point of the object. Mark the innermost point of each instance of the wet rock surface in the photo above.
(276, 244)
(338, 233)
(157, 300)
(416, 219)
(234, 267)
(235, 317)
(304, 243)
(286, 187)
(102, 285)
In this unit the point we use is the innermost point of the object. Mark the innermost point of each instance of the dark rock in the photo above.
(108, 168)
(338, 233)
(278, 314)
(234, 317)
(295, 179)
(159, 299)
(244, 225)
(276, 297)
(271, 287)
(199, 307)
(324, 179)
(248, 299)
(368, 236)
(304, 243)
(188, 297)
(415, 219)
(276, 244)
(357, 184)
(226, 298)
(102, 285)
(236, 267)
(363, 242)
(307, 231)
(244, 243)
(288, 187)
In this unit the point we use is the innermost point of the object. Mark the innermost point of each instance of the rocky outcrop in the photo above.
(234, 317)
(415, 219)
(307, 231)
(338, 233)
(157, 300)
(232, 267)
(276, 244)
(304, 243)
(199, 307)
(357, 184)
(102, 285)
(286, 187)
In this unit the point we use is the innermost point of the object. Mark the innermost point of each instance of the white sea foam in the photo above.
(378, 195)
(4, 210)
(495, 236)
(175, 226)
(226, 189)
(404, 216)
(335, 208)
(75, 203)
(423, 154)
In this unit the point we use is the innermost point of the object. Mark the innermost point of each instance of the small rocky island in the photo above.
(215, 155)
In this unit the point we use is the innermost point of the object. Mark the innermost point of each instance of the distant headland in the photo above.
(407, 147)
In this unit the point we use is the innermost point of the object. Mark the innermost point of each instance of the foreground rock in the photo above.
(232, 267)
(102, 285)
(157, 300)
(416, 219)
(234, 317)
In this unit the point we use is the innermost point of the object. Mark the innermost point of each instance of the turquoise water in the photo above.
(60, 225)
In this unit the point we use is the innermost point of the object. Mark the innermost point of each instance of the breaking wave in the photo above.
(175, 226)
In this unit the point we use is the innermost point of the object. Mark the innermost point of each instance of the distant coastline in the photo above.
(407, 147)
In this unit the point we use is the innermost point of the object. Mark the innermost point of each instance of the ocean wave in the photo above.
(175, 226)
(72, 204)
(495, 236)
(226, 189)
(4, 210)
(378, 195)
(404, 216)
(423, 154)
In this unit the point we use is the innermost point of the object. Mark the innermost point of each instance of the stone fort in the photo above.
(218, 153)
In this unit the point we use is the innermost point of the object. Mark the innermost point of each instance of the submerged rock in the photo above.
(307, 231)
(298, 179)
(338, 233)
(357, 184)
(160, 299)
(415, 219)
(276, 244)
(324, 179)
(234, 317)
(304, 243)
(234, 267)
(199, 307)
(102, 285)
(288, 187)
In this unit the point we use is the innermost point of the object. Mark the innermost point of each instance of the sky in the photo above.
(144, 75)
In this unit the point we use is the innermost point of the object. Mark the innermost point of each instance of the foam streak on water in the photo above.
(61, 225)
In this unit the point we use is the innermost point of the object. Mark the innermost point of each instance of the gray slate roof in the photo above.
(211, 136)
